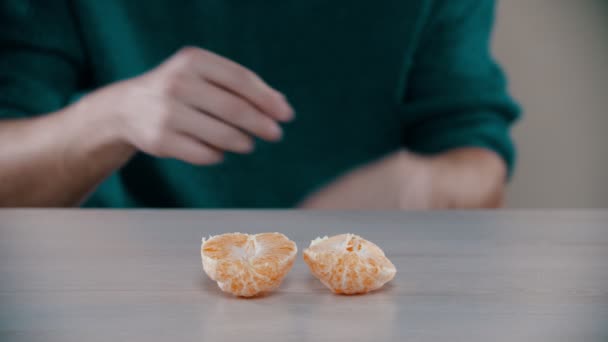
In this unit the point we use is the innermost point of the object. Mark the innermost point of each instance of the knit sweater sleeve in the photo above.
(456, 94)
(41, 57)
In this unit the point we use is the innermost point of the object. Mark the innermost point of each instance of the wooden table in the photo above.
(79, 275)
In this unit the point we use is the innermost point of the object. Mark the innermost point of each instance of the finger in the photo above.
(210, 130)
(241, 81)
(232, 110)
(190, 150)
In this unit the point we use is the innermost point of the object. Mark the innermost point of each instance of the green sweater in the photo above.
(365, 78)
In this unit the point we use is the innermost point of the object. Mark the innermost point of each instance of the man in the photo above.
(397, 104)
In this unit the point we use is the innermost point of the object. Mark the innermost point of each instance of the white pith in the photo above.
(248, 253)
(338, 249)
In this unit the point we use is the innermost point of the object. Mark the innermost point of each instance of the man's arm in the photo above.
(467, 178)
(456, 119)
(192, 107)
(41, 64)
(181, 109)
(56, 159)
(461, 178)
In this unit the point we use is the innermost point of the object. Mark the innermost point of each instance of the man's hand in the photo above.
(192, 107)
(464, 178)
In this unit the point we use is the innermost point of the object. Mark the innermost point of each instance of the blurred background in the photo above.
(556, 55)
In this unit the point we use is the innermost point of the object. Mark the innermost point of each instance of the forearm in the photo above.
(463, 178)
(467, 178)
(59, 158)
(372, 186)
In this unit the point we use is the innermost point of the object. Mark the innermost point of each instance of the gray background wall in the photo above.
(556, 55)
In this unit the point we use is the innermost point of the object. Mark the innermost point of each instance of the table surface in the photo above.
(75, 275)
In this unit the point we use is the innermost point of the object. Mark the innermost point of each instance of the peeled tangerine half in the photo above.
(247, 265)
(349, 264)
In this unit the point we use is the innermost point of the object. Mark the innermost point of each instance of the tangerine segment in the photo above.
(349, 264)
(247, 265)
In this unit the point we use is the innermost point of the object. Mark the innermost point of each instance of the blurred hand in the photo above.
(193, 107)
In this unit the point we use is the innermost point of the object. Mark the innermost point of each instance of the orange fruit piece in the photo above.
(247, 265)
(349, 264)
